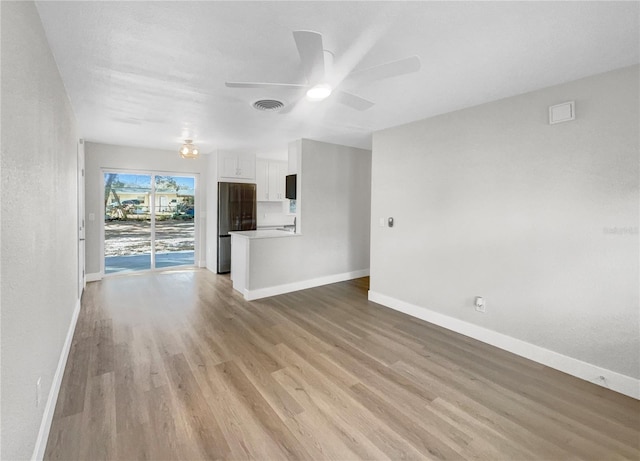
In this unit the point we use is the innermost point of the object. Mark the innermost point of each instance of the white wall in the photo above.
(211, 219)
(493, 201)
(39, 214)
(106, 156)
(335, 193)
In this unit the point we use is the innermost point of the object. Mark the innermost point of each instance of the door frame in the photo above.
(82, 277)
(196, 220)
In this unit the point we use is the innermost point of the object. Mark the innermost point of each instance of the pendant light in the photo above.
(189, 150)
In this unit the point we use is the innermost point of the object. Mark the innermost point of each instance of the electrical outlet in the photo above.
(38, 391)
(480, 304)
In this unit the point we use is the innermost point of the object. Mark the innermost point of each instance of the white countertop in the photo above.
(271, 226)
(263, 234)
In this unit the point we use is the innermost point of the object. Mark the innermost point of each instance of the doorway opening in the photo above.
(149, 221)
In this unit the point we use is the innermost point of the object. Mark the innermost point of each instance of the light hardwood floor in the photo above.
(178, 366)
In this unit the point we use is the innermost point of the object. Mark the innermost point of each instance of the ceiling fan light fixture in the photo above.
(319, 92)
(189, 150)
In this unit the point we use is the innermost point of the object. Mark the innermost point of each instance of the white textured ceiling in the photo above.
(149, 73)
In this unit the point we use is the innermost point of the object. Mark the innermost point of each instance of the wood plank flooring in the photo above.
(177, 366)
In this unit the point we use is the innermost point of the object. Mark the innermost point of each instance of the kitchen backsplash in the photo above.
(273, 213)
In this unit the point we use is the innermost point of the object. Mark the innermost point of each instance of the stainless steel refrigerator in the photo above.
(236, 212)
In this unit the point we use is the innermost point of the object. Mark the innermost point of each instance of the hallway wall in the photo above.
(39, 263)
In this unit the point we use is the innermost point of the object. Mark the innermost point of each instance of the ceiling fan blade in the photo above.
(283, 86)
(289, 108)
(351, 100)
(389, 69)
(311, 52)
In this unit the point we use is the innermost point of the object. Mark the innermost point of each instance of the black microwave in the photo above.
(290, 188)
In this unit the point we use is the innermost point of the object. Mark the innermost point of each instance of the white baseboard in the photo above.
(601, 376)
(93, 277)
(47, 417)
(251, 295)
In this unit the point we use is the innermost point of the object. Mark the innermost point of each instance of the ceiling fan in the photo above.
(316, 63)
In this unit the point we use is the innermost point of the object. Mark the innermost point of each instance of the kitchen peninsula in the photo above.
(331, 242)
(241, 255)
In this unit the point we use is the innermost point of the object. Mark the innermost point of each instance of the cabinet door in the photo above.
(262, 180)
(228, 165)
(246, 166)
(283, 169)
(273, 182)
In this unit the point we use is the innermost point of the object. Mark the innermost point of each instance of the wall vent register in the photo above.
(562, 112)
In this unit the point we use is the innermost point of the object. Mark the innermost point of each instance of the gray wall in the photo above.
(108, 156)
(335, 213)
(39, 215)
(541, 220)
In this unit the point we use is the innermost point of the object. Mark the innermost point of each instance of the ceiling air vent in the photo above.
(268, 104)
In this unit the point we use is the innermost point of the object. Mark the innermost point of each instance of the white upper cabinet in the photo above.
(247, 166)
(262, 180)
(270, 179)
(236, 166)
(283, 168)
(228, 166)
(274, 179)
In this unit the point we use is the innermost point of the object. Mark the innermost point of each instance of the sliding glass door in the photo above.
(174, 213)
(127, 222)
(149, 221)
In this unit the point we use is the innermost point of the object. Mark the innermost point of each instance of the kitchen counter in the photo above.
(273, 226)
(263, 234)
(241, 243)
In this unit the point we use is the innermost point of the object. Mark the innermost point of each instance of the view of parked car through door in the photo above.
(148, 222)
